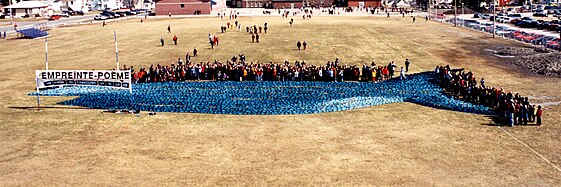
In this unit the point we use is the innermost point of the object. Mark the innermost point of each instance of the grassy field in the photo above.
(397, 144)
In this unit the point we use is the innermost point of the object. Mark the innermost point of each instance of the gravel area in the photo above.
(536, 60)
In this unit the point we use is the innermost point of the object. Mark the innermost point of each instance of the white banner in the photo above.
(115, 79)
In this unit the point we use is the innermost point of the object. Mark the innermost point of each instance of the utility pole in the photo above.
(46, 53)
(116, 50)
(494, 16)
(429, 7)
(463, 14)
(455, 13)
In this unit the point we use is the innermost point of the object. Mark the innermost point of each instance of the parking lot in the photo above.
(522, 27)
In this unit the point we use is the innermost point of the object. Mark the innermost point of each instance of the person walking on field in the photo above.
(304, 45)
(162, 41)
(402, 74)
(175, 40)
(256, 38)
(252, 38)
(413, 19)
(169, 28)
(194, 51)
(298, 44)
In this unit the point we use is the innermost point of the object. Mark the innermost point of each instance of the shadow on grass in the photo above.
(499, 121)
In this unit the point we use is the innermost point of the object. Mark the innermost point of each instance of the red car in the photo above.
(55, 17)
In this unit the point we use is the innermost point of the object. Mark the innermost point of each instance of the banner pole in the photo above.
(38, 98)
(116, 50)
(46, 53)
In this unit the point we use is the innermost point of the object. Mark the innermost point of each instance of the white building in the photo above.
(139, 4)
(30, 8)
(76, 5)
(104, 4)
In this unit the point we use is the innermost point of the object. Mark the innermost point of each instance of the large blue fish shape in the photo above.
(267, 98)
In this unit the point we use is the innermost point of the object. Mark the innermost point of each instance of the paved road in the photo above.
(10, 28)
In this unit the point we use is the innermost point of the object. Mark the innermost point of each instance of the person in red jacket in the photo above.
(539, 115)
(175, 39)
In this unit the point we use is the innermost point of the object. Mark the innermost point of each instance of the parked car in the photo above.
(79, 12)
(528, 24)
(539, 14)
(515, 16)
(100, 17)
(109, 16)
(485, 16)
(64, 14)
(111, 13)
(506, 20)
(54, 17)
(69, 12)
(553, 27)
(477, 15)
(543, 25)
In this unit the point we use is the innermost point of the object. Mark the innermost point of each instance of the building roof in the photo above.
(28, 4)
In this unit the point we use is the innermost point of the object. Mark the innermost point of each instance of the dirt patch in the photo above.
(536, 60)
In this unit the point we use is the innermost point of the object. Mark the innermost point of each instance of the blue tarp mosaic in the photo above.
(267, 98)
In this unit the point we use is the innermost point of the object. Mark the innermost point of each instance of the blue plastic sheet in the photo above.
(267, 98)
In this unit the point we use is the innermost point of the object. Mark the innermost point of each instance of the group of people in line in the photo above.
(513, 109)
(238, 69)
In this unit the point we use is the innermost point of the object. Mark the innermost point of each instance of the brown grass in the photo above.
(396, 144)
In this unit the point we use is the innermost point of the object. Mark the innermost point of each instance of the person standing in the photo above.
(260, 28)
(162, 41)
(402, 74)
(298, 45)
(256, 38)
(194, 52)
(169, 28)
(304, 44)
(413, 19)
(252, 38)
(175, 40)
(539, 114)
(211, 44)
(265, 28)
(15, 25)
(407, 63)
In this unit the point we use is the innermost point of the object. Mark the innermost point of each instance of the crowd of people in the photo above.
(513, 109)
(238, 69)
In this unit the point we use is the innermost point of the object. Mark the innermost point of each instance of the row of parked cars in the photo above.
(524, 22)
(108, 14)
(532, 38)
(65, 14)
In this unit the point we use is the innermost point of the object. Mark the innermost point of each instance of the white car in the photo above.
(506, 20)
(100, 17)
(499, 19)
